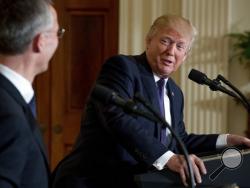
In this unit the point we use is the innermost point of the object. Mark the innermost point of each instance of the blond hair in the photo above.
(178, 23)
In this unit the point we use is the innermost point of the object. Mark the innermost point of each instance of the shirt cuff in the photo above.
(162, 161)
(221, 141)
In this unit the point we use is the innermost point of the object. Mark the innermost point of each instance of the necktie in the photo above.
(160, 86)
(32, 105)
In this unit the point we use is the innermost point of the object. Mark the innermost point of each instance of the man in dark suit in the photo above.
(113, 145)
(28, 39)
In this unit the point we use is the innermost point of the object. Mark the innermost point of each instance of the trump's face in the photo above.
(166, 50)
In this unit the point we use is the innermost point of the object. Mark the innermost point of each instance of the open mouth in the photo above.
(166, 61)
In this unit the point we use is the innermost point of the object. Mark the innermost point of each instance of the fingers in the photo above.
(198, 168)
(183, 177)
(200, 164)
(233, 140)
(246, 141)
(178, 164)
(196, 173)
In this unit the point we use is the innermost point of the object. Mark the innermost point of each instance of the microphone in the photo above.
(201, 78)
(214, 85)
(108, 96)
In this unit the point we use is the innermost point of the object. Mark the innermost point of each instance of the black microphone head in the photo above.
(197, 76)
(103, 94)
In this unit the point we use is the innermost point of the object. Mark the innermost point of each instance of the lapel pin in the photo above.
(172, 93)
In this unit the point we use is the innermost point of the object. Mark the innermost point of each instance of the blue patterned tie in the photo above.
(32, 105)
(160, 86)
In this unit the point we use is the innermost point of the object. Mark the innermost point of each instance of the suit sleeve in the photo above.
(13, 147)
(122, 76)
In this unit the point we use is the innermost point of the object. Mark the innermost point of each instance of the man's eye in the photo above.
(165, 41)
(181, 46)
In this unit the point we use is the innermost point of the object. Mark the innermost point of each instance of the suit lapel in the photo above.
(173, 102)
(149, 88)
(11, 89)
(148, 82)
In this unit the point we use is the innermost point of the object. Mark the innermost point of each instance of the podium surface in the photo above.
(239, 175)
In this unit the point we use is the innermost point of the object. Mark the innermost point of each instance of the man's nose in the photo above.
(170, 49)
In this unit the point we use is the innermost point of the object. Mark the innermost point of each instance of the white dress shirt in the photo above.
(22, 84)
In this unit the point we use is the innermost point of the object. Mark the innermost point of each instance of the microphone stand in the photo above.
(242, 98)
(216, 86)
(165, 124)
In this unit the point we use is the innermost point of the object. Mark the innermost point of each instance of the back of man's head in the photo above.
(20, 22)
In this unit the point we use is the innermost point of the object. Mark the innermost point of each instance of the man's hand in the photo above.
(177, 163)
(233, 140)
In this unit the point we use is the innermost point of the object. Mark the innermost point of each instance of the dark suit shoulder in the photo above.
(8, 103)
(126, 65)
(122, 60)
(120, 73)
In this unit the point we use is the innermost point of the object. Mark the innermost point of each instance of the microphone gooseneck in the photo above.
(108, 96)
(243, 100)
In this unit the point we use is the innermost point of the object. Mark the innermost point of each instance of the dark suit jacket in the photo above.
(23, 161)
(113, 145)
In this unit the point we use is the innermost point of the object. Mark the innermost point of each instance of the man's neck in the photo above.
(18, 64)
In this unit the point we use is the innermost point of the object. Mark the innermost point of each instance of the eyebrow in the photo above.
(177, 41)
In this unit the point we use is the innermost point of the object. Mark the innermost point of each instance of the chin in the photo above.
(168, 71)
(164, 74)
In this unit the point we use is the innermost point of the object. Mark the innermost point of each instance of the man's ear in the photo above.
(185, 56)
(39, 43)
(148, 40)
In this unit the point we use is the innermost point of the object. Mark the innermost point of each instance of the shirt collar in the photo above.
(22, 84)
(157, 78)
